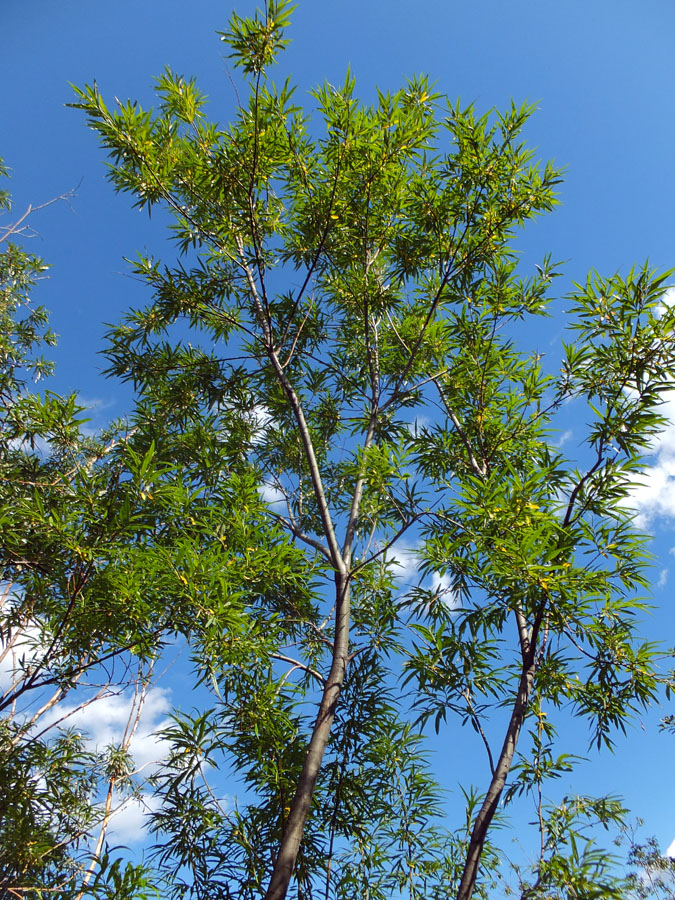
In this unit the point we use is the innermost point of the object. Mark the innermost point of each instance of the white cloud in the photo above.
(105, 720)
(407, 561)
(565, 437)
(39, 445)
(653, 495)
(667, 301)
(442, 584)
(271, 494)
(663, 578)
(129, 823)
(97, 404)
(671, 850)
(260, 419)
(25, 648)
(418, 423)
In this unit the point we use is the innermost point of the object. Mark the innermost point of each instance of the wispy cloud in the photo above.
(565, 437)
(667, 301)
(653, 496)
(19, 648)
(261, 418)
(443, 587)
(96, 404)
(408, 560)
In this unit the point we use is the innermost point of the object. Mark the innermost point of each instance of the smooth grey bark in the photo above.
(528, 640)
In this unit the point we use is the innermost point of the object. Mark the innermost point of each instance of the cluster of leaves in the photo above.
(108, 550)
(76, 609)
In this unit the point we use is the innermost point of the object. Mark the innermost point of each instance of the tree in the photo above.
(330, 292)
(95, 544)
(72, 625)
(654, 873)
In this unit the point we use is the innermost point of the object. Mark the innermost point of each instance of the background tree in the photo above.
(331, 291)
(104, 552)
(76, 621)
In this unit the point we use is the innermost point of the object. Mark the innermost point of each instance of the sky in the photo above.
(601, 74)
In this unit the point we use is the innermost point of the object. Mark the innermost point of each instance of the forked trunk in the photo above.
(491, 801)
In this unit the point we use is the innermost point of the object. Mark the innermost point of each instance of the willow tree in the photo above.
(341, 324)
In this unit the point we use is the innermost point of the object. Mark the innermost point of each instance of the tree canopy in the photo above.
(333, 373)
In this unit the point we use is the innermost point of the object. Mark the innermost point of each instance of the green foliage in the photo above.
(255, 42)
(651, 875)
(73, 597)
(330, 374)
(107, 552)
(336, 282)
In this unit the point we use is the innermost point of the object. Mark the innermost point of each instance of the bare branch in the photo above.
(18, 227)
(301, 536)
(299, 665)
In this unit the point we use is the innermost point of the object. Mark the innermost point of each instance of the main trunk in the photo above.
(295, 824)
(491, 801)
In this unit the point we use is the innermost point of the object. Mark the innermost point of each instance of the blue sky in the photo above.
(603, 81)
(601, 73)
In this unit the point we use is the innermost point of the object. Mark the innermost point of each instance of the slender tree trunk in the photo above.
(290, 842)
(491, 801)
(295, 825)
